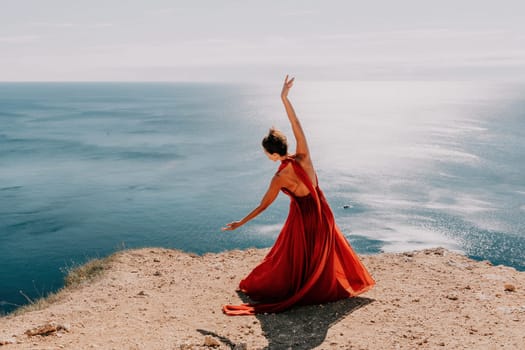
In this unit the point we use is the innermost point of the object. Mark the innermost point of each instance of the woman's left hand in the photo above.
(232, 226)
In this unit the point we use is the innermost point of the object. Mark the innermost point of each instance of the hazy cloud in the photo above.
(51, 25)
(18, 39)
(343, 39)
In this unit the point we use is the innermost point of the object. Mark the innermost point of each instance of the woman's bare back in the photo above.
(292, 182)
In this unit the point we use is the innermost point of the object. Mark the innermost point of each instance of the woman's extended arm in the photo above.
(268, 199)
(300, 138)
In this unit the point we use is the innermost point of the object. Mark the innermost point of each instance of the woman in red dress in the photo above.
(311, 261)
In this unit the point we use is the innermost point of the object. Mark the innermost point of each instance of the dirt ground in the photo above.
(165, 299)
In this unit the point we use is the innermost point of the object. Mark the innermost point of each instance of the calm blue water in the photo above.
(89, 168)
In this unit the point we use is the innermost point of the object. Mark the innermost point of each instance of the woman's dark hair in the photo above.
(275, 142)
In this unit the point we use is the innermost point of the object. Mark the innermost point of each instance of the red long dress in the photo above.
(311, 261)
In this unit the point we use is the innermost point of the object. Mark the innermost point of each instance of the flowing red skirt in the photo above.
(311, 261)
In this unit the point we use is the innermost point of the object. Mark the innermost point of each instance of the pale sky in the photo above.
(242, 40)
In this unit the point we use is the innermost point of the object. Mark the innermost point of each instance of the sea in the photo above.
(87, 169)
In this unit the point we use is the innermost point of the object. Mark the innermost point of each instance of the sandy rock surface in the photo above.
(167, 299)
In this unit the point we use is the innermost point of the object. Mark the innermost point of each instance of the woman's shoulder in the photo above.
(303, 160)
(291, 163)
(284, 167)
(297, 158)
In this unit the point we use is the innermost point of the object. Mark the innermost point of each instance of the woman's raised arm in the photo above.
(300, 138)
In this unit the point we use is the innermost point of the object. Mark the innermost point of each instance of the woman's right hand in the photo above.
(287, 86)
(232, 226)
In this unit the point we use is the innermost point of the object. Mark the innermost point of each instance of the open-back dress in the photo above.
(311, 261)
